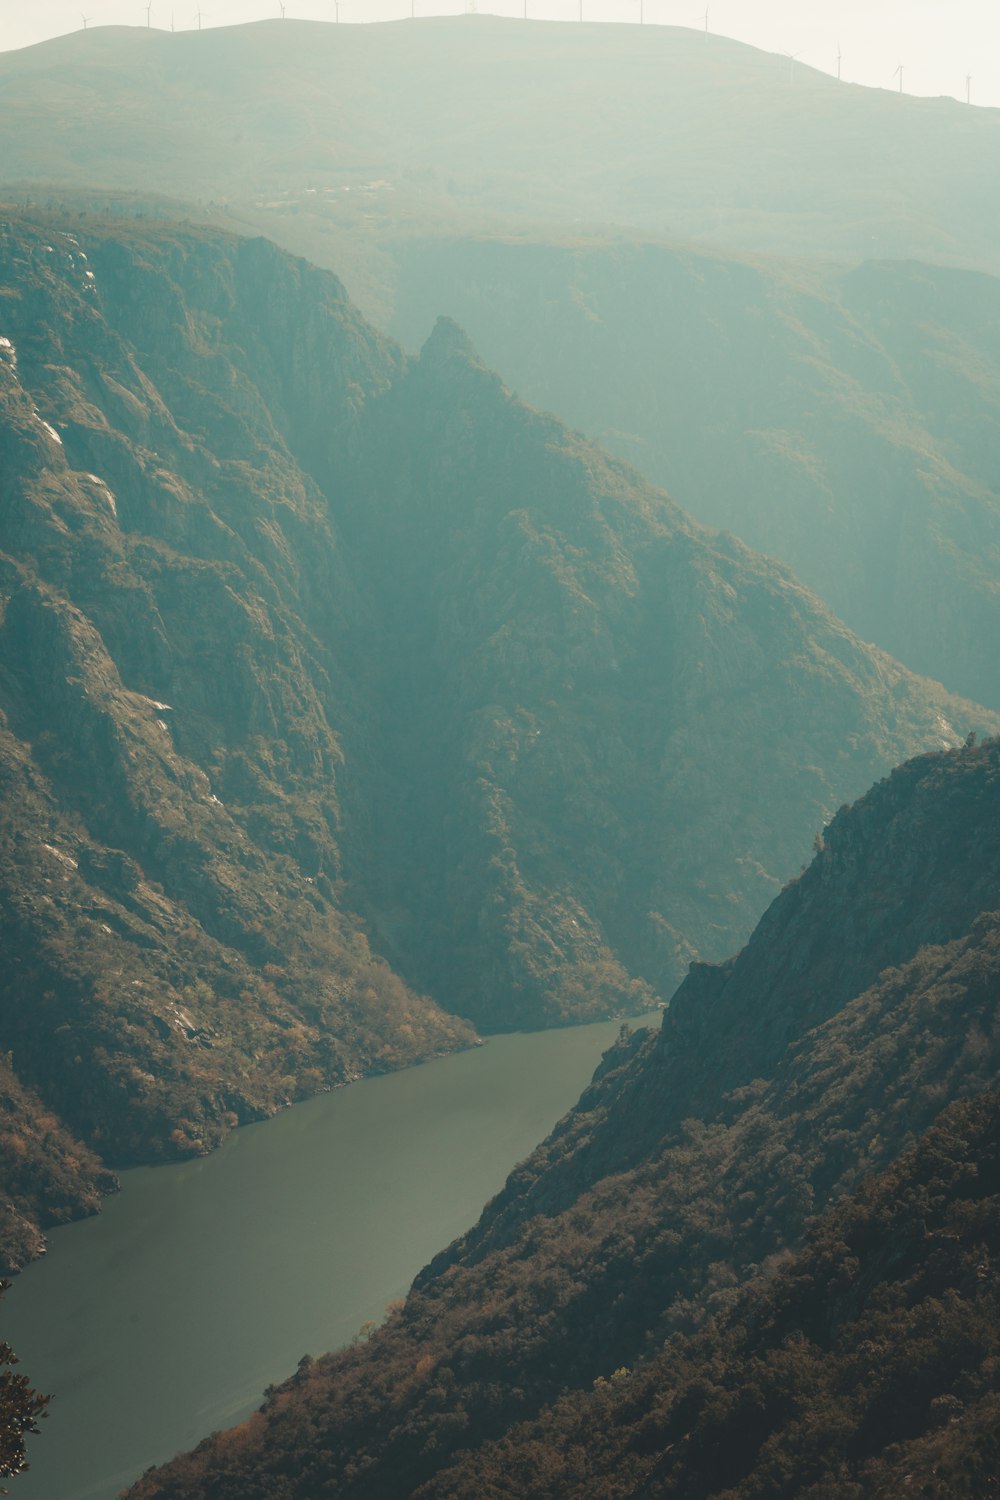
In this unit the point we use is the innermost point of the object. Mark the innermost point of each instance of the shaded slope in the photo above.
(844, 422)
(865, 1367)
(913, 863)
(847, 422)
(624, 725)
(656, 1330)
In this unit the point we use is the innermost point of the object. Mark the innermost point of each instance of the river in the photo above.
(199, 1284)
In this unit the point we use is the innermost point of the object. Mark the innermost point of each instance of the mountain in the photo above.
(340, 140)
(589, 681)
(177, 626)
(843, 417)
(333, 681)
(844, 420)
(782, 1283)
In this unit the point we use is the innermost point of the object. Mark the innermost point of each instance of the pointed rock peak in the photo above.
(446, 341)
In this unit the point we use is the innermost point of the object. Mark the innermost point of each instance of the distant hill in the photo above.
(344, 695)
(333, 139)
(777, 1278)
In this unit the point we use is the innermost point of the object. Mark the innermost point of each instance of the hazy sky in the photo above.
(938, 43)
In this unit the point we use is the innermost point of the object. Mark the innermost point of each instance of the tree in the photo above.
(20, 1408)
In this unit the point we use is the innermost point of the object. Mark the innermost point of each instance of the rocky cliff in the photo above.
(589, 681)
(183, 653)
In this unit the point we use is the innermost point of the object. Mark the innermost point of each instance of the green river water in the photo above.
(199, 1284)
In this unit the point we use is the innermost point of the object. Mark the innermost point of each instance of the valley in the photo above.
(498, 536)
(359, 703)
(781, 1281)
(778, 301)
(327, 1211)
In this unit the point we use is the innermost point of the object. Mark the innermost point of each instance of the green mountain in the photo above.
(846, 421)
(780, 1281)
(333, 680)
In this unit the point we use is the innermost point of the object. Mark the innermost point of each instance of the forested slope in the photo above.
(177, 627)
(789, 1292)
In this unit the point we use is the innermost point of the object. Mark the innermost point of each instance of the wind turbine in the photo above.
(839, 60)
(84, 19)
(199, 18)
(791, 64)
(282, 9)
(149, 7)
(968, 88)
(899, 70)
(705, 19)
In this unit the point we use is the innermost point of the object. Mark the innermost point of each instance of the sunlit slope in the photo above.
(844, 420)
(180, 649)
(471, 118)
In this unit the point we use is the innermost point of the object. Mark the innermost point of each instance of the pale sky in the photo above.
(938, 44)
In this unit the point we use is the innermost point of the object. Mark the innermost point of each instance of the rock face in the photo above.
(782, 1285)
(581, 681)
(331, 679)
(182, 654)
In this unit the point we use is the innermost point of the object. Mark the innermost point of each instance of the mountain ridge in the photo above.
(661, 84)
(842, 418)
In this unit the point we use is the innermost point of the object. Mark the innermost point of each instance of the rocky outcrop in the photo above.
(637, 725)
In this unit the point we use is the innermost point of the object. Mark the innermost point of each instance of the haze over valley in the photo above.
(501, 532)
